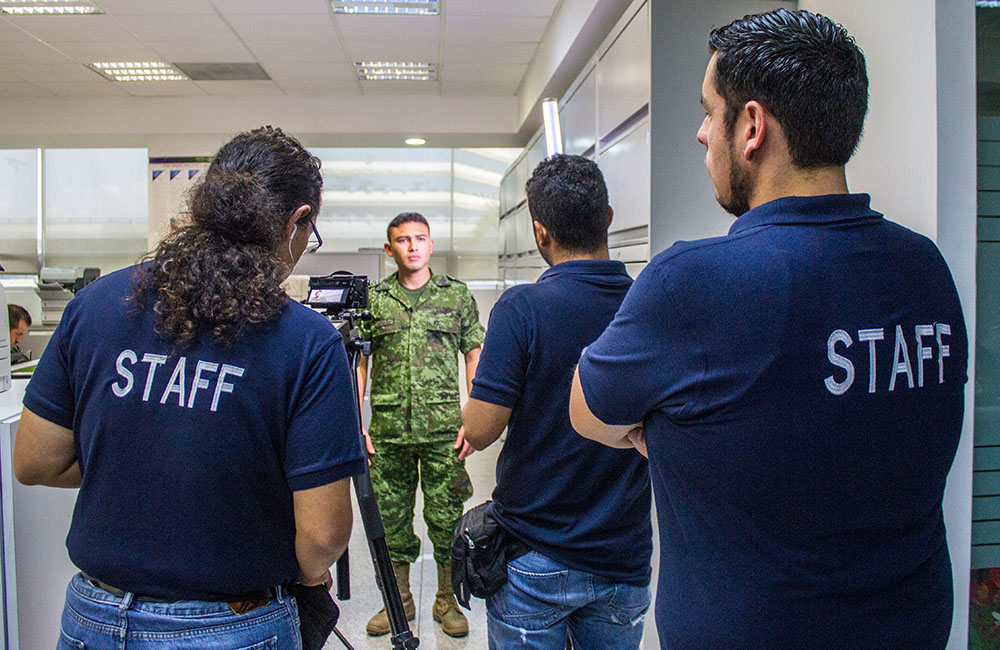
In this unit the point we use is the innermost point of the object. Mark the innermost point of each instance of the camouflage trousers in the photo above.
(395, 469)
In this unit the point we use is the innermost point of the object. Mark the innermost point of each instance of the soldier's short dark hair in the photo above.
(405, 217)
(16, 314)
(567, 195)
(806, 70)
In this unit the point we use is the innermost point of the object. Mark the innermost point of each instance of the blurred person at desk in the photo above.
(19, 320)
(212, 430)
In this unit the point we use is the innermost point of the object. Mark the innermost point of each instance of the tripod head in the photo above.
(343, 297)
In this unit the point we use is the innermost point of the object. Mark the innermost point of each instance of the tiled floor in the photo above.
(366, 599)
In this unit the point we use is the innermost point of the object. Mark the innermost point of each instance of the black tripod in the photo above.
(399, 628)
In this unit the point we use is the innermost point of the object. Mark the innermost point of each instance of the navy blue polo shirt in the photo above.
(801, 381)
(578, 502)
(189, 460)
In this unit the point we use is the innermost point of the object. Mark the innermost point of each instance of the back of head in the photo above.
(223, 270)
(567, 195)
(806, 70)
(16, 314)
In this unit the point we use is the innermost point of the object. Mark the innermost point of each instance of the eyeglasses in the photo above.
(313, 246)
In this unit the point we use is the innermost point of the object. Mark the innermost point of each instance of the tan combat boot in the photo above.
(379, 624)
(446, 611)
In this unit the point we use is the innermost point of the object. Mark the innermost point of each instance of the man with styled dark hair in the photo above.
(582, 509)
(799, 383)
(19, 320)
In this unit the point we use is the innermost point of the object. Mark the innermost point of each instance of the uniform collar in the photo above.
(586, 267)
(395, 289)
(805, 210)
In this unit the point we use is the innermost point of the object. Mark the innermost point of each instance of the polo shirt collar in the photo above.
(805, 210)
(586, 267)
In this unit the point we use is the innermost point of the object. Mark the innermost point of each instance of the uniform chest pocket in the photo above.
(441, 332)
(386, 326)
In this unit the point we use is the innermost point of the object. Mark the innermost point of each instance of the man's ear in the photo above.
(300, 212)
(611, 215)
(754, 127)
(542, 236)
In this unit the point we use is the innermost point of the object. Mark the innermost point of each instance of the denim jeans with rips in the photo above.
(94, 619)
(544, 601)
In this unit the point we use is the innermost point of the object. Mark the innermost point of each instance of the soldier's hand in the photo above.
(368, 443)
(465, 449)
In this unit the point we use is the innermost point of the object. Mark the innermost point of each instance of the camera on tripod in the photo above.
(338, 292)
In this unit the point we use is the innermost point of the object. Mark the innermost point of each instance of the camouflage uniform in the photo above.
(416, 412)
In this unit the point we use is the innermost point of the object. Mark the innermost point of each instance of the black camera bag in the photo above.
(480, 551)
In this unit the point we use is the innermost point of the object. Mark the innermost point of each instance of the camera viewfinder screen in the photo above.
(326, 296)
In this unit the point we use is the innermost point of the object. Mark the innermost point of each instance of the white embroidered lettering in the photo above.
(832, 385)
(901, 366)
(943, 329)
(871, 335)
(198, 381)
(922, 352)
(222, 386)
(153, 360)
(124, 373)
(176, 383)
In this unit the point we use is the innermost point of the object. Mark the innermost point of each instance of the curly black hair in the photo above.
(806, 70)
(223, 270)
(568, 196)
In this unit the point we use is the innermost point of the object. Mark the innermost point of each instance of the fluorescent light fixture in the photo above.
(47, 7)
(137, 71)
(995, 4)
(386, 7)
(553, 132)
(415, 142)
(395, 71)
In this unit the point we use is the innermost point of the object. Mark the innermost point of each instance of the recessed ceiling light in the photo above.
(47, 7)
(386, 7)
(395, 71)
(137, 71)
(415, 142)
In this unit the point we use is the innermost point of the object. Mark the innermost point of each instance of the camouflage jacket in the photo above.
(414, 375)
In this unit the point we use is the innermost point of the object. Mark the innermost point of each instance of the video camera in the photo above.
(338, 293)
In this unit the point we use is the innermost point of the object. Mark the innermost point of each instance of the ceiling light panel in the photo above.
(386, 7)
(137, 71)
(47, 7)
(395, 71)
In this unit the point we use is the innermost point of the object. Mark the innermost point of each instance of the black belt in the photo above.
(240, 604)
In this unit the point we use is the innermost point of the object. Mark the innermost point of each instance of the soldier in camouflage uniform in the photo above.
(422, 322)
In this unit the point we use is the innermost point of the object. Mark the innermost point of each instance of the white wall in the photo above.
(917, 160)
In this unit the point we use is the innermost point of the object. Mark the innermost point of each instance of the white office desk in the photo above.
(36, 566)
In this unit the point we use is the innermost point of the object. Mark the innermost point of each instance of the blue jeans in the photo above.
(543, 601)
(94, 619)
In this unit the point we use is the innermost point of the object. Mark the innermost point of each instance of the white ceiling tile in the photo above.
(500, 8)
(482, 72)
(480, 88)
(292, 28)
(496, 28)
(420, 51)
(31, 52)
(242, 88)
(161, 88)
(69, 71)
(21, 89)
(479, 52)
(83, 89)
(390, 28)
(399, 87)
(304, 71)
(54, 29)
(269, 6)
(284, 51)
(154, 7)
(125, 51)
(177, 28)
(11, 34)
(319, 87)
(214, 51)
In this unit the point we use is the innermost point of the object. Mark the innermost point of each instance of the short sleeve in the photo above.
(501, 373)
(646, 359)
(49, 394)
(323, 443)
(472, 330)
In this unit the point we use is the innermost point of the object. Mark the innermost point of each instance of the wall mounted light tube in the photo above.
(553, 134)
